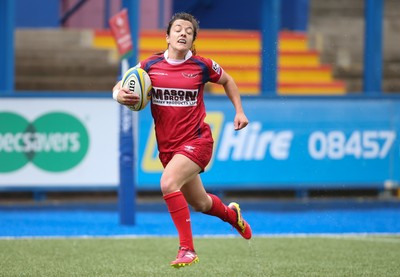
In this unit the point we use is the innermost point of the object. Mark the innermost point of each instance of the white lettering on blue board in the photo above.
(336, 145)
(253, 143)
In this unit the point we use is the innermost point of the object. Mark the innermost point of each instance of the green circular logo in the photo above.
(54, 142)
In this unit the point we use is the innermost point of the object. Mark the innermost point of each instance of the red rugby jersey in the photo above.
(177, 103)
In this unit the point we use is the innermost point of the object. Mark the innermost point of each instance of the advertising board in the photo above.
(58, 142)
(293, 143)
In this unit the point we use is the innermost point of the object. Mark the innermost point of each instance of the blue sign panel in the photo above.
(292, 143)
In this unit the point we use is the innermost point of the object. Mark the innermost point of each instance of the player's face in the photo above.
(180, 38)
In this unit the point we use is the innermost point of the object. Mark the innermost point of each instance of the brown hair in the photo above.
(186, 17)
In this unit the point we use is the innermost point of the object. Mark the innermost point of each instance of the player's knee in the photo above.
(168, 185)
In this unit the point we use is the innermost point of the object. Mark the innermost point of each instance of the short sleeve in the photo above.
(215, 71)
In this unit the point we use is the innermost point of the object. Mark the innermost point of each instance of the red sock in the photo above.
(180, 214)
(220, 210)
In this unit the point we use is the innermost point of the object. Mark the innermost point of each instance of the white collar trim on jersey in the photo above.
(188, 55)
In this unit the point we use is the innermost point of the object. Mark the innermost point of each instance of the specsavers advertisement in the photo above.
(58, 142)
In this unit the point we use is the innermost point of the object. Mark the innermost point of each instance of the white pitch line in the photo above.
(355, 236)
(370, 239)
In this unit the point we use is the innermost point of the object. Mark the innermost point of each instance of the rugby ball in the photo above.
(138, 82)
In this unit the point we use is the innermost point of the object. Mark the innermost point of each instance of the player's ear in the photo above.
(167, 38)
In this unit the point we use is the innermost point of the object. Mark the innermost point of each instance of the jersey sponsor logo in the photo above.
(190, 75)
(216, 67)
(175, 97)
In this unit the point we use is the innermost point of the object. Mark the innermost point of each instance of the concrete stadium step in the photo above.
(65, 83)
(390, 70)
(47, 38)
(66, 55)
(327, 88)
(239, 53)
(285, 58)
(62, 60)
(299, 58)
(59, 69)
(245, 88)
(322, 88)
(293, 41)
(353, 76)
(303, 74)
(218, 40)
(223, 58)
(388, 85)
(337, 7)
(227, 58)
(209, 40)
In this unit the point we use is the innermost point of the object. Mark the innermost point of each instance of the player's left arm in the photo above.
(232, 92)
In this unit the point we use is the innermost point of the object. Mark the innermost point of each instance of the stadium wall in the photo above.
(92, 14)
(290, 143)
(37, 14)
(244, 16)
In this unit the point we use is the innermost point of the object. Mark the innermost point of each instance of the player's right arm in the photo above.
(124, 96)
(233, 94)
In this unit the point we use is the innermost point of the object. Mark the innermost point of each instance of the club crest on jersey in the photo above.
(216, 67)
(190, 75)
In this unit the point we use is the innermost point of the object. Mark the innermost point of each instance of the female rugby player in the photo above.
(184, 140)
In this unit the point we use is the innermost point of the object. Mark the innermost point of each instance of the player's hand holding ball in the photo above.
(134, 90)
(124, 96)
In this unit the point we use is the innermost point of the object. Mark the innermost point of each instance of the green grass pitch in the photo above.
(261, 256)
